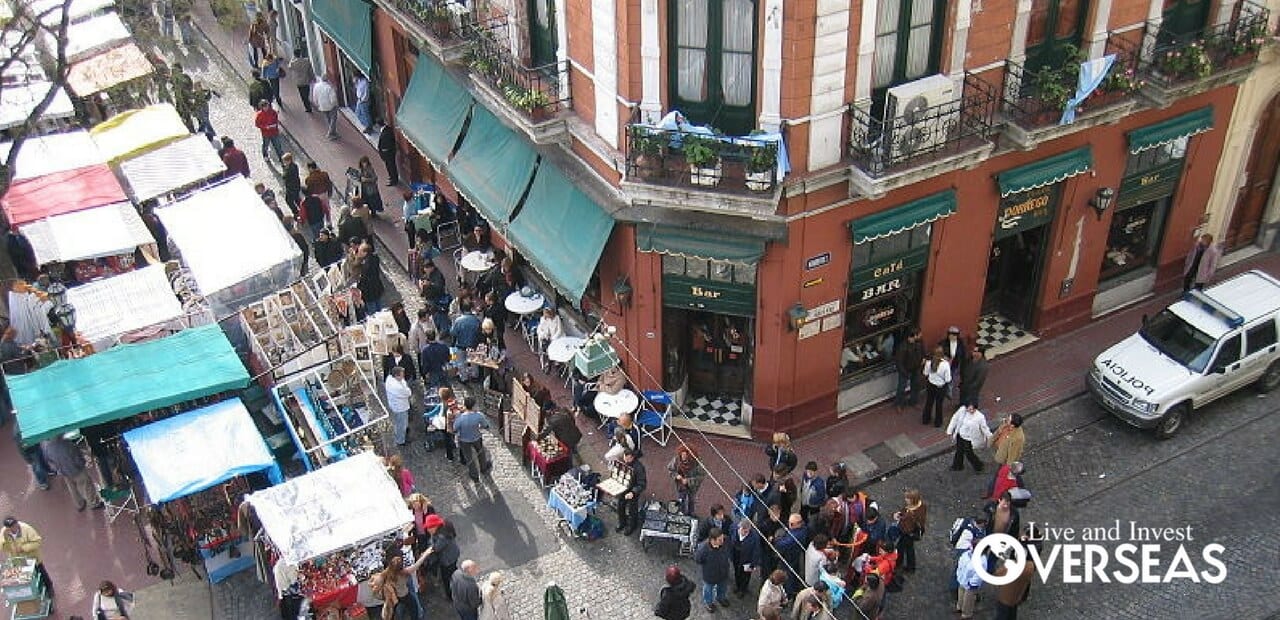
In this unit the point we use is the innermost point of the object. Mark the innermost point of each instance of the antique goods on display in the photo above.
(548, 459)
(573, 498)
(290, 330)
(332, 411)
(24, 591)
(663, 521)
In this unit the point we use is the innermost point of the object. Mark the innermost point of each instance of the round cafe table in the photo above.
(477, 261)
(561, 349)
(521, 305)
(614, 405)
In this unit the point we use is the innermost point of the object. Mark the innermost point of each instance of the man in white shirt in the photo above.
(363, 111)
(969, 428)
(325, 99)
(399, 397)
(549, 327)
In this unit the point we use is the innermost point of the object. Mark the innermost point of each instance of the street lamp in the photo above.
(1102, 200)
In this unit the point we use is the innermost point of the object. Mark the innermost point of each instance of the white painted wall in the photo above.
(831, 48)
(604, 47)
(771, 65)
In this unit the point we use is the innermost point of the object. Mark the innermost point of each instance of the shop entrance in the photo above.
(1013, 275)
(709, 355)
(1260, 173)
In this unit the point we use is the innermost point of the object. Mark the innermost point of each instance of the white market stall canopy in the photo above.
(129, 134)
(332, 508)
(235, 247)
(92, 233)
(52, 153)
(89, 37)
(171, 167)
(18, 100)
(111, 68)
(108, 308)
(50, 11)
(25, 66)
(199, 449)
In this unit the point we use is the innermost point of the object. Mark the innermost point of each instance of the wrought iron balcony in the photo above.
(697, 161)
(445, 20)
(885, 146)
(1174, 60)
(536, 92)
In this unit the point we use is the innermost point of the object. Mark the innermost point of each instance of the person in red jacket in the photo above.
(234, 158)
(268, 122)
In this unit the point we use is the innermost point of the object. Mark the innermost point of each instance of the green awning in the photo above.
(125, 380)
(701, 244)
(904, 217)
(561, 231)
(1046, 171)
(1189, 124)
(492, 167)
(433, 110)
(350, 24)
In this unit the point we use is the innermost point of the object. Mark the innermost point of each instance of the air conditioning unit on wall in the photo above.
(913, 122)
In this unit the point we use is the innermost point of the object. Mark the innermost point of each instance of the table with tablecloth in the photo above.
(546, 468)
(573, 516)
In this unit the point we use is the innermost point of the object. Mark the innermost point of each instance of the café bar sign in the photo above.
(708, 295)
(1025, 210)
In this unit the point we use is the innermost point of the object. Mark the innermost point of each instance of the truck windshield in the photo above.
(1179, 340)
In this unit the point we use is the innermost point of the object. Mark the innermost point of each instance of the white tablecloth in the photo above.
(477, 261)
(519, 304)
(561, 349)
(614, 405)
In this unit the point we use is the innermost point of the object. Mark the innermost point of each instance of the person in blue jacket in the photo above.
(745, 548)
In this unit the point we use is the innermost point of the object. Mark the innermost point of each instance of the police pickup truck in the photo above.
(1202, 347)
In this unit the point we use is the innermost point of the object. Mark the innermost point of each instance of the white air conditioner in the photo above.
(912, 121)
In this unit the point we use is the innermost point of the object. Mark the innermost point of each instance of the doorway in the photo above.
(1259, 179)
(710, 355)
(1013, 275)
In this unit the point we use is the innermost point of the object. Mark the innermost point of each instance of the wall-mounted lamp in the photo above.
(796, 316)
(622, 291)
(1102, 200)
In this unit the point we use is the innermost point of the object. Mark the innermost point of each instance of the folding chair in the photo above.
(654, 418)
(457, 265)
(119, 501)
(448, 236)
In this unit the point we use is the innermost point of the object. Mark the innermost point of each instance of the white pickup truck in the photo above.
(1202, 347)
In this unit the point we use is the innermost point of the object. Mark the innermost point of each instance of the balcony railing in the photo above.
(1172, 60)
(718, 163)
(445, 19)
(881, 146)
(537, 92)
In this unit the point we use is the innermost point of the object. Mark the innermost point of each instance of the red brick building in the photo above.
(910, 167)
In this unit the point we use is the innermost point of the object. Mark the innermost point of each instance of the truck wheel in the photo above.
(1171, 422)
(1270, 379)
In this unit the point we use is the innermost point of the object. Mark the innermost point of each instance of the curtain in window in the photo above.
(543, 13)
(736, 59)
(921, 35)
(691, 19)
(886, 42)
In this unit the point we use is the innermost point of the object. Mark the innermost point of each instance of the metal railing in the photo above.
(716, 163)
(1035, 100)
(1124, 79)
(537, 92)
(441, 18)
(882, 145)
(1171, 59)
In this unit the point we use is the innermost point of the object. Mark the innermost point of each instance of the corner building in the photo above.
(878, 164)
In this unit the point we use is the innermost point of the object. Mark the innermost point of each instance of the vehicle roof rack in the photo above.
(1211, 305)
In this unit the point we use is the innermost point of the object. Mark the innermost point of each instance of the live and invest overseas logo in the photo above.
(1143, 555)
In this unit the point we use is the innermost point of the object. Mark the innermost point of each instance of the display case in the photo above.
(332, 411)
(24, 592)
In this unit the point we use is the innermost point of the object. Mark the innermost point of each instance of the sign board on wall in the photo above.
(1026, 210)
(817, 261)
(709, 295)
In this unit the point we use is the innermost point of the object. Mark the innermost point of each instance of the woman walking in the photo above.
(369, 185)
(911, 521)
(937, 373)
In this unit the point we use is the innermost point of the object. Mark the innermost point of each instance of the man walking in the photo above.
(200, 97)
(68, 462)
(968, 428)
(466, 591)
(908, 360)
(183, 88)
(387, 152)
(234, 159)
(629, 499)
(325, 99)
(268, 122)
(973, 375)
(466, 428)
(363, 105)
(23, 541)
(713, 556)
(399, 400)
(303, 74)
(318, 184)
(1009, 440)
(1201, 264)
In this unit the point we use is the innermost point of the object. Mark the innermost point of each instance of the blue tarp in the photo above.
(199, 449)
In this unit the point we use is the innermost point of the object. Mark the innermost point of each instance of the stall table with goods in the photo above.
(132, 306)
(573, 498)
(289, 331)
(664, 521)
(24, 591)
(323, 533)
(332, 411)
(548, 459)
(196, 468)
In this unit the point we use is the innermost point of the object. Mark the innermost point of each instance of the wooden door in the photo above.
(1054, 25)
(1251, 201)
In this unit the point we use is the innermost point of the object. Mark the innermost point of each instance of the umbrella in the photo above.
(554, 606)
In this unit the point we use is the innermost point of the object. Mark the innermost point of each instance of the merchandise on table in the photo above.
(573, 491)
(550, 448)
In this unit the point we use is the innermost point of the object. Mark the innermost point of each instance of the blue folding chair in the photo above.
(654, 418)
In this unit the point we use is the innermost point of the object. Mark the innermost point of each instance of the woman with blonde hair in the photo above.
(494, 602)
(780, 454)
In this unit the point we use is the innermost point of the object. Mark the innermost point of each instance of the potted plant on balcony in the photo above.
(436, 15)
(646, 149)
(532, 101)
(761, 165)
(1189, 63)
(702, 153)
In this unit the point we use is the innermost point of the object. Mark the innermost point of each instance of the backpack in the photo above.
(592, 528)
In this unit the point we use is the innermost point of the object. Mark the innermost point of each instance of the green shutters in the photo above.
(1054, 25)
(542, 32)
(712, 69)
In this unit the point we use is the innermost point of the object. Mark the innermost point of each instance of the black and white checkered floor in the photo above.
(999, 334)
(715, 410)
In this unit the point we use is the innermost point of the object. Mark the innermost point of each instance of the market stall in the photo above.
(88, 37)
(108, 310)
(170, 168)
(289, 331)
(236, 248)
(132, 133)
(50, 11)
(666, 522)
(54, 152)
(124, 381)
(17, 101)
(61, 192)
(183, 463)
(107, 70)
(325, 531)
(108, 231)
(332, 411)
(573, 498)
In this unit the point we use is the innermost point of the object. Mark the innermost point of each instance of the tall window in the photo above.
(908, 41)
(1183, 18)
(1054, 24)
(542, 32)
(713, 67)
